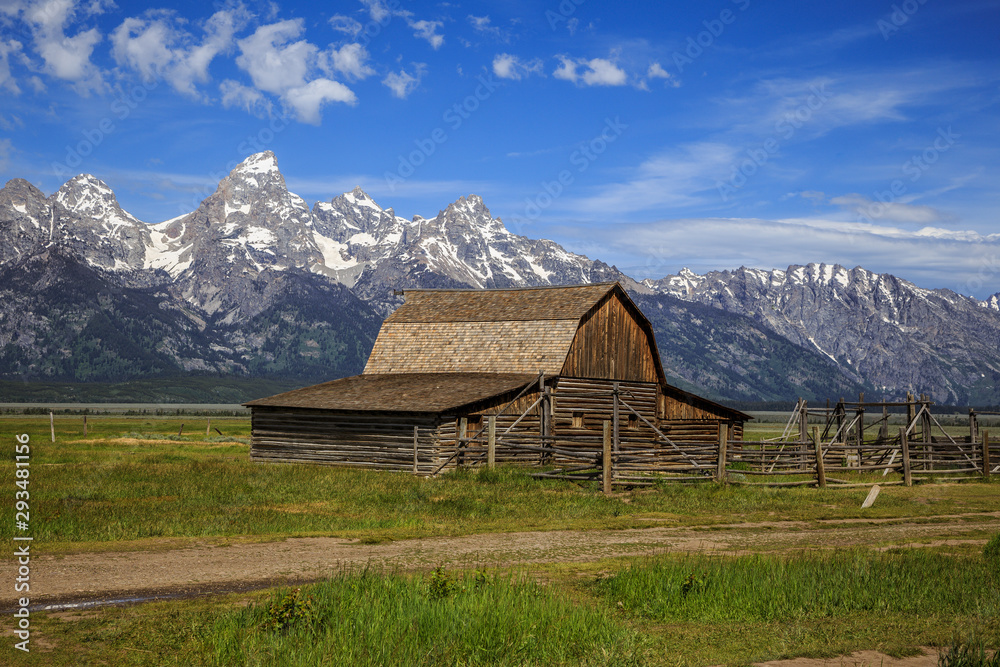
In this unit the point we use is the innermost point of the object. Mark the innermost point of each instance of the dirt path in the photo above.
(206, 568)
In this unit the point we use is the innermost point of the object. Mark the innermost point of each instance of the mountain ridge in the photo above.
(235, 272)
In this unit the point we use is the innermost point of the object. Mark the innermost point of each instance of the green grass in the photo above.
(968, 653)
(135, 483)
(373, 619)
(806, 585)
(135, 479)
(745, 609)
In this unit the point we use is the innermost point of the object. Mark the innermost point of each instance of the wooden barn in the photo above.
(529, 374)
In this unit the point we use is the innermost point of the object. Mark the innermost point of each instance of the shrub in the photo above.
(292, 609)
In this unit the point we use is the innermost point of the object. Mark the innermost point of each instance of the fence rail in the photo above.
(642, 461)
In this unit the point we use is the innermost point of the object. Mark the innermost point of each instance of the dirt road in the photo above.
(207, 568)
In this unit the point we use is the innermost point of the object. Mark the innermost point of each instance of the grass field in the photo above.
(133, 480)
(138, 483)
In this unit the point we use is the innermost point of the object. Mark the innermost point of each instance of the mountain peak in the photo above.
(90, 197)
(359, 197)
(256, 176)
(258, 163)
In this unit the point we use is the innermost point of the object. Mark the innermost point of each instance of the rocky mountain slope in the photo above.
(255, 283)
(875, 328)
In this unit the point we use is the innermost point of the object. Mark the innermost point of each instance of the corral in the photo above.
(535, 376)
(856, 437)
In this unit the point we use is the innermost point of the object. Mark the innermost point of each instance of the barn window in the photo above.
(633, 421)
(577, 420)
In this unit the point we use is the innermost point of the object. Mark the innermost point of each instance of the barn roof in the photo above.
(399, 392)
(496, 330)
(500, 305)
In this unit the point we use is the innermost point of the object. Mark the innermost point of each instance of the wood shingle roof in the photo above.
(477, 331)
(399, 392)
(500, 305)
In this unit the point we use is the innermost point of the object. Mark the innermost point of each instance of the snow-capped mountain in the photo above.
(254, 282)
(875, 327)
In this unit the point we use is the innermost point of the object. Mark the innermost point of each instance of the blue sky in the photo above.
(652, 135)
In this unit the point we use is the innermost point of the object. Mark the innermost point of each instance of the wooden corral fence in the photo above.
(629, 449)
(804, 455)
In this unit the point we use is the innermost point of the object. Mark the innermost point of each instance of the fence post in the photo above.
(615, 415)
(546, 426)
(925, 427)
(415, 443)
(986, 456)
(491, 441)
(606, 459)
(209, 427)
(52, 425)
(820, 470)
(720, 473)
(907, 478)
(85, 426)
(463, 426)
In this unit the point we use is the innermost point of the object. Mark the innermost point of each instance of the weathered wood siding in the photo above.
(697, 430)
(591, 400)
(360, 440)
(673, 408)
(611, 344)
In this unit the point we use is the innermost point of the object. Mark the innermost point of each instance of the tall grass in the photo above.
(365, 618)
(805, 585)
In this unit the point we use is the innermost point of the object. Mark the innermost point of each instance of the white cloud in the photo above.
(816, 105)
(596, 72)
(377, 9)
(566, 70)
(428, 30)
(251, 100)
(656, 71)
(403, 83)
(274, 62)
(482, 24)
(345, 24)
(157, 46)
(895, 211)
(672, 178)
(281, 64)
(602, 72)
(931, 257)
(382, 13)
(143, 46)
(307, 100)
(8, 49)
(349, 60)
(507, 66)
(65, 57)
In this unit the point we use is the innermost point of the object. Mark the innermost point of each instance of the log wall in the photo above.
(386, 440)
(360, 440)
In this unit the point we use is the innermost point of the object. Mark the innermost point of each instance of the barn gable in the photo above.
(614, 341)
(585, 331)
